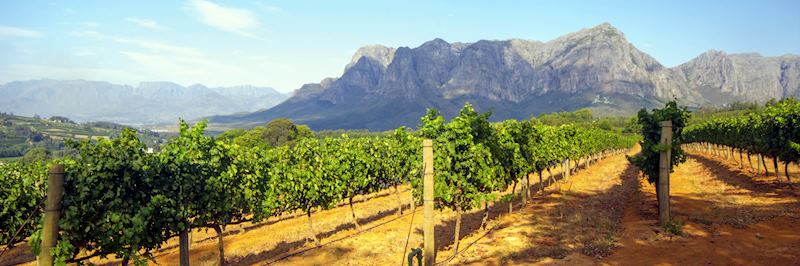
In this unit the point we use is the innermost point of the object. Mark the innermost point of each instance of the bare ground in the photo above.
(730, 217)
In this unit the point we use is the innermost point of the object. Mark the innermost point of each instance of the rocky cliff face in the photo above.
(379, 53)
(520, 78)
(746, 77)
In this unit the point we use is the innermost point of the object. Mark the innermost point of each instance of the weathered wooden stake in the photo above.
(427, 199)
(52, 211)
(524, 191)
(663, 173)
(183, 240)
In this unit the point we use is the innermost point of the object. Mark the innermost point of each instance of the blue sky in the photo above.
(285, 44)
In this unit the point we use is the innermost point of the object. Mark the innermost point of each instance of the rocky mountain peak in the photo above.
(711, 54)
(385, 87)
(603, 31)
(197, 86)
(605, 26)
(435, 44)
(159, 84)
(379, 53)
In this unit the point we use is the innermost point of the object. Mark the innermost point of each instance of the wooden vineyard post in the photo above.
(52, 211)
(663, 173)
(184, 247)
(427, 199)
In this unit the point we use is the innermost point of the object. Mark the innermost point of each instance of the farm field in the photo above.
(382, 241)
(731, 217)
(197, 181)
(340, 200)
(278, 239)
(603, 215)
(208, 132)
(19, 134)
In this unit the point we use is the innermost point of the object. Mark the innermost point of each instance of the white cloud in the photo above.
(146, 23)
(160, 47)
(200, 64)
(183, 69)
(158, 60)
(8, 31)
(236, 20)
(158, 64)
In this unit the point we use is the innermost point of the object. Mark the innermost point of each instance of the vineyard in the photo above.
(122, 201)
(773, 132)
(124, 204)
(19, 134)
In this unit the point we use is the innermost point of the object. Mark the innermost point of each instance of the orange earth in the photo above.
(603, 215)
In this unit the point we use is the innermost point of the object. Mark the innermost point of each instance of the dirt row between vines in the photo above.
(731, 216)
(566, 226)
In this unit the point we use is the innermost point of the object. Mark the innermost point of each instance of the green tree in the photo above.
(38, 154)
(230, 135)
(277, 132)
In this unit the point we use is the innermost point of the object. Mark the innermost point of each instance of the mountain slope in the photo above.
(383, 87)
(147, 103)
(745, 77)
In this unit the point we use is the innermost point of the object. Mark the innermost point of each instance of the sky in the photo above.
(285, 44)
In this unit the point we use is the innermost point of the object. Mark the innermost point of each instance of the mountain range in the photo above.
(597, 68)
(146, 104)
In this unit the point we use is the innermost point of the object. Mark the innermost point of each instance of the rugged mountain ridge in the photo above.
(383, 87)
(147, 103)
(726, 77)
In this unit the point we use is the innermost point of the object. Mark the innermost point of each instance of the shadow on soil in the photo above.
(285, 247)
(569, 221)
(19, 254)
(471, 222)
(712, 214)
(731, 207)
(734, 176)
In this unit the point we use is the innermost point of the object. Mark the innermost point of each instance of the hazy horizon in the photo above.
(286, 44)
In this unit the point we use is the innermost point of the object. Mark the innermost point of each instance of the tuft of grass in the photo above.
(600, 247)
(674, 228)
